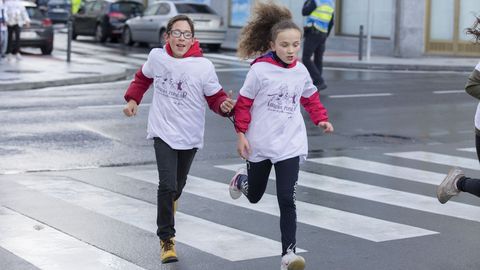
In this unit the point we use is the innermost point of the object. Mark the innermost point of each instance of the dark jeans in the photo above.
(173, 167)
(314, 44)
(286, 172)
(13, 45)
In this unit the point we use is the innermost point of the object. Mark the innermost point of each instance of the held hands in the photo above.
(131, 108)
(228, 104)
(327, 127)
(243, 147)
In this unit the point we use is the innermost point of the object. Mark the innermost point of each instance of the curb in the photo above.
(64, 82)
(400, 67)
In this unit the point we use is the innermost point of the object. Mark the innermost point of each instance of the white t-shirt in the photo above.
(177, 113)
(277, 129)
(477, 114)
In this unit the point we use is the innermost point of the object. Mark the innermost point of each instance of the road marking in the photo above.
(49, 249)
(468, 163)
(409, 174)
(448, 92)
(231, 69)
(99, 132)
(191, 230)
(388, 196)
(368, 228)
(108, 106)
(361, 95)
(468, 149)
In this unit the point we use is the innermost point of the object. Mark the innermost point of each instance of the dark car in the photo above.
(59, 10)
(40, 32)
(104, 18)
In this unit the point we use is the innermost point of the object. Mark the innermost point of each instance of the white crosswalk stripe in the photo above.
(335, 220)
(192, 231)
(17, 231)
(49, 249)
(462, 162)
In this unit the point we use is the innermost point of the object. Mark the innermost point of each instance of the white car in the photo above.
(151, 26)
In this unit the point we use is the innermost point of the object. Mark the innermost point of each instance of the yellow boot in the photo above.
(168, 253)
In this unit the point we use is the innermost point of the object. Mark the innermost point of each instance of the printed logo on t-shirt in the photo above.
(283, 101)
(176, 89)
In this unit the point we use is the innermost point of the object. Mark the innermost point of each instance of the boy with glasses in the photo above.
(184, 82)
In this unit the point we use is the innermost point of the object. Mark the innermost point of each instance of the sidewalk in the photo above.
(37, 71)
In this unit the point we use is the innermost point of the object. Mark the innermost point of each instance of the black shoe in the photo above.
(321, 87)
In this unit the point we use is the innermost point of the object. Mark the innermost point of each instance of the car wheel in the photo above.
(47, 49)
(100, 35)
(214, 47)
(127, 37)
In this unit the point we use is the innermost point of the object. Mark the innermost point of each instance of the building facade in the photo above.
(401, 28)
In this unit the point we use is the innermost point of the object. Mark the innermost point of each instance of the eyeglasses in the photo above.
(178, 33)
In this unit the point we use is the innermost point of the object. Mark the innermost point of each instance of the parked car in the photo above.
(40, 33)
(59, 10)
(104, 18)
(150, 27)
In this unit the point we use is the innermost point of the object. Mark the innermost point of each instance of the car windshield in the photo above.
(35, 13)
(194, 8)
(127, 8)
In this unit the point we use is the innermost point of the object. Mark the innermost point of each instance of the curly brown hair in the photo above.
(475, 30)
(267, 21)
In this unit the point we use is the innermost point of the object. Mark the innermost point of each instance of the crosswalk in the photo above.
(57, 249)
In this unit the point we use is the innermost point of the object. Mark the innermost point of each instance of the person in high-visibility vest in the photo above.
(318, 24)
(76, 6)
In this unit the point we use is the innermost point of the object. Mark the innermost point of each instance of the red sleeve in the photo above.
(214, 102)
(315, 108)
(242, 113)
(138, 87)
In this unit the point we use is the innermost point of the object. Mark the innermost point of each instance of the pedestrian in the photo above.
(318, 25)
(3, 30)
(456, 181)
(183, 83)
(269, 124)
(16, 17)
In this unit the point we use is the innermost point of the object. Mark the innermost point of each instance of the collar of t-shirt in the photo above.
(194, 51)
(272, 58)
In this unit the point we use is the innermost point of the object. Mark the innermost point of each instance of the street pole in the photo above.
(360, 44)
(69, 40)
(369, 29)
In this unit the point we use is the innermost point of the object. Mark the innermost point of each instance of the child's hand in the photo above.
(327, 127)
(131, 108)
(243, 147)
(228, 104)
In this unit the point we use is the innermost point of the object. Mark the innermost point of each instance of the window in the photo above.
(354, 13)
(194, 8)
(164, 9)
(151, 10)
(239, 12)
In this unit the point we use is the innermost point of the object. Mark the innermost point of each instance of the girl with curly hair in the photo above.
(456, 181)
(269, 124)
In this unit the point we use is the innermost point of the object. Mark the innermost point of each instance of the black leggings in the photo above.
(13, 45)
(286, 172)
(467, 184)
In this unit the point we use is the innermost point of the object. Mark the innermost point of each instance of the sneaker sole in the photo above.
(443, 197)
(235, 194)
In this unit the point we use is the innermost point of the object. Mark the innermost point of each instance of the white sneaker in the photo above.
(9, 57)
(18, 56)
(292, 261)
(448, 188)
(235, 192)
